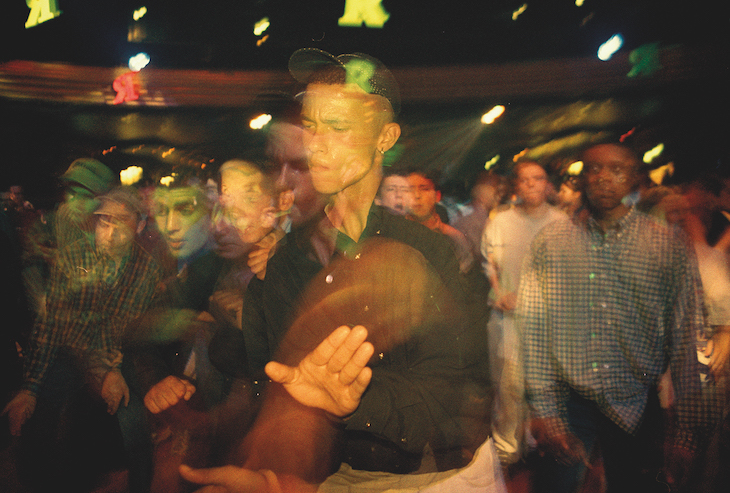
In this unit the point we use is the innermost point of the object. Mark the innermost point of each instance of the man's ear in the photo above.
(389, 135)
(438, 196)
(140, 226)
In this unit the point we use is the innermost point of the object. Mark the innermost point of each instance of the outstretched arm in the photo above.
(333, 376)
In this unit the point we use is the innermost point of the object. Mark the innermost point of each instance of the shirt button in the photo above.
(329, 279)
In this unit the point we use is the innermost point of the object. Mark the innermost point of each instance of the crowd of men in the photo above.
(302, 309)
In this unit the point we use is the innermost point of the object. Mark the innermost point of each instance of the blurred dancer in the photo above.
(96, 291)
(424, 386)
(604, 304)
(505, 242)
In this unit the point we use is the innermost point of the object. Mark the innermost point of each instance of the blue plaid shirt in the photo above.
(603, 315)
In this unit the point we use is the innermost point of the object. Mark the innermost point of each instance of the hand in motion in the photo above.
(113, 390)
(168, 392)
(565, 448)
(19, 410)
(259, 257)
(718, 349)
(334, 376)
(226, 479)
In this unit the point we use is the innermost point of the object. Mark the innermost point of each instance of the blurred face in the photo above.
(568, 197)
(676, 208)
(342, 127)
(113, 237)
(395, 193)
(247, 206)
(424, 196)
(80, 202)
(183, 218)
(532, 185)
(610, 173)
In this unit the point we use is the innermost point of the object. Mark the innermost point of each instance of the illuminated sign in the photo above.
(124, 86)
(370, 12)
(41, 11)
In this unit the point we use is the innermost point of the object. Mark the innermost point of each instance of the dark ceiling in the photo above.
(219, 34)
(453, 60)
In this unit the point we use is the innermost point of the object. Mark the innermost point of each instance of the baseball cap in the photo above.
(367, 72)
(123, 203)
(91, 174)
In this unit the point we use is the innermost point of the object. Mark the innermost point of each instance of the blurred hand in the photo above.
(334, 376)
(168, 392)
(19, 410)
(113, 390)
(259, 257)
(506, 302)
(718, 349)
(226, 306)
(676, 465)
(565, 448)
(226, 479)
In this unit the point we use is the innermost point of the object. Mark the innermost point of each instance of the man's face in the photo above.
(610, 173)
(342, 125)
(532, 185)
(424, 196)
(395, 193)
(113, 237)
(183, 218)
(246, 204)
(80, 202)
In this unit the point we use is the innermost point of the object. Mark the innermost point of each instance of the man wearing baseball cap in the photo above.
(96, 291)
(365, 350)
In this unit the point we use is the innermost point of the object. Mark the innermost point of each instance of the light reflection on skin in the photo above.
(183, 217)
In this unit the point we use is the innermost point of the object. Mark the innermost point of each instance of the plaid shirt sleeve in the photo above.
(547, 394)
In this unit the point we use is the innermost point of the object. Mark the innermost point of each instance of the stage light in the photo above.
(575, 168)
(607, 49)
(491, 162)
(260, 121)
(138, 62)
(131, 175)
(490, 116)
(261, 26)
(653, 153)
(139, 13)
(519, 12)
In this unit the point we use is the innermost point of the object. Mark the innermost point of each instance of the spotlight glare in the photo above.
(607, 49)
(261, 26)
(575, 168)
(653, 153)
(491, 162)
(489, 117)
(138, 62)
(260, 121)
(139, 13)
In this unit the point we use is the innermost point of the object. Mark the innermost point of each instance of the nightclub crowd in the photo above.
(303, 317)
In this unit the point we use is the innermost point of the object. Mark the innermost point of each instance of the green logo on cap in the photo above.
(360, 72)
